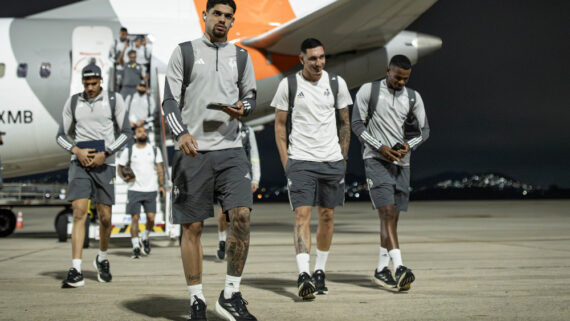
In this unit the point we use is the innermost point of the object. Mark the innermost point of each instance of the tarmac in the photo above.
(473, 260)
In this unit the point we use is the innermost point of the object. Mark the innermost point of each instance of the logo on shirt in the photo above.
(301, 95)
(327, 92)
(233, 63)
(199, 62)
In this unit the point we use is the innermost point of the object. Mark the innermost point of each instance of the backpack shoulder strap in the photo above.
(241, 60)
(113, 104)
(333, 82)
(148, 105)
(411, 99)
(73, 106)
(188, 64)
(130, 154)
(373, 101)
(155, 149)
(292, 84)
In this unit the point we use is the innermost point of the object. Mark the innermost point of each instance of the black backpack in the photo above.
(292, 83)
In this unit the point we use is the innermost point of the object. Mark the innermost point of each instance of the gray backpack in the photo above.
(411, 125)
(112, 103)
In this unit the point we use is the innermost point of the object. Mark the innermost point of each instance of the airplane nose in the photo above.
(426, 44)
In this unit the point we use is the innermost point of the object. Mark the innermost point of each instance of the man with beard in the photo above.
(145, 162)
(87, 130)
(202, 105)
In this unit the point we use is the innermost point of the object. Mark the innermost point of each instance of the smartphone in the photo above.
(398, 146)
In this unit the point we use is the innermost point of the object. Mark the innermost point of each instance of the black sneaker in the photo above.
(318, 279)
(384, 278)
(145, 246)
(233, 309)
(103, 270)
(221, 250)
(306, 286)
(404, 277)
(136, 253)
(74, 279)
(198, 310)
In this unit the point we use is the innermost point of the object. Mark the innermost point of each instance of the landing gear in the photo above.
(7, 222)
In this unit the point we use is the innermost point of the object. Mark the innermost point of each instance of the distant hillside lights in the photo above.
(486, 181)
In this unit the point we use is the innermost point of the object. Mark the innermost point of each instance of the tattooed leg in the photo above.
(237, 241)
(191, 250)
(302, 231)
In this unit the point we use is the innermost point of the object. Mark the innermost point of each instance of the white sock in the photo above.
(396, 258)
(222, 235)
(383, 260)
(146, 233)
(135, 242)
(303, 262)
(232, 286)
(321, 260)
(102, 256)
(196, 290)
(76, 263)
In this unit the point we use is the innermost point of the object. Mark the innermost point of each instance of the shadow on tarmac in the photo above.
(61, 275)
(361, 280)
(277, 286)
(170, 308)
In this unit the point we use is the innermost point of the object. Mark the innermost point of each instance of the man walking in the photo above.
(312, 101)
(209, 157)
(87, 130)
(145, 161)
(133, 73)
(390, 120)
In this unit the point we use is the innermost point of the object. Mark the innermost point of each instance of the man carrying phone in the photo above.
(87, 130)
(381, 111)
(209, 158)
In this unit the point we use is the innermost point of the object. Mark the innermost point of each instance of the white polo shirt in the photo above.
(314, 133)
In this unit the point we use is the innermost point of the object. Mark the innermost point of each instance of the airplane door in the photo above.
(90, 44)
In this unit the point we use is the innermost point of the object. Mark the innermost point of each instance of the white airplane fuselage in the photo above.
(30, 106)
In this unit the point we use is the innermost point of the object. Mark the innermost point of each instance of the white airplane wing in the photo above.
(344, 25)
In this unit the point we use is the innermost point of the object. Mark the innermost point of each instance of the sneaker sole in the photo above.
(67, 285)
(223, 313)
(98, 275)
(382, 283)
(307, 290)
(405, 280)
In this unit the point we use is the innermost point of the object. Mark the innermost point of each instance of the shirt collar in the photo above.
(213, 44)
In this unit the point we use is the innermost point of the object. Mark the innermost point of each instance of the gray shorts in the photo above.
(96, 183)
(315, 183)
(137, 199)
(222, 173)
(387, 183)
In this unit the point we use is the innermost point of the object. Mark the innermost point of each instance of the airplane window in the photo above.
(45, 70)
(2, 70)
(22, 70)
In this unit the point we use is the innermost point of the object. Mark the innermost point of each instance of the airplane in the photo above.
(42, 55)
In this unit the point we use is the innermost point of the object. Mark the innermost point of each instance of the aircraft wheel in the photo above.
(61, 220)
(7, 222)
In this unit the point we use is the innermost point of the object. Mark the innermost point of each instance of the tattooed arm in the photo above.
(281, 134)
(343, 126)
(237, 243)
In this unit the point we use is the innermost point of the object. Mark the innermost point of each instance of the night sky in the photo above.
(495, 94)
